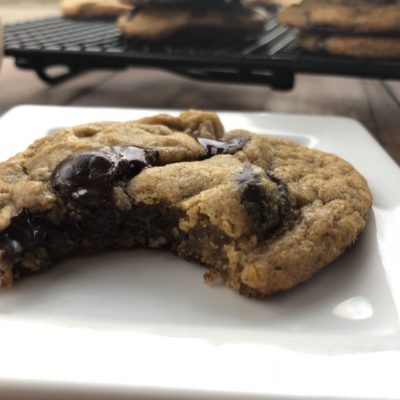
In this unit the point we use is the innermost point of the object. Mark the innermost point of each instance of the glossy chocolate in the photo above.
(24, 232)
(89, 176)
(261, 207)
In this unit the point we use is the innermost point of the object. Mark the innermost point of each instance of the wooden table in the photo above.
(376, 104)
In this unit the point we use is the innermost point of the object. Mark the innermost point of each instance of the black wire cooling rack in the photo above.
(271, 58)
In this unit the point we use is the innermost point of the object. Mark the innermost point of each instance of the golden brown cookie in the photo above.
(358, 16)
(95, 8)
(160, 22)
(364, 46)
(262, 213)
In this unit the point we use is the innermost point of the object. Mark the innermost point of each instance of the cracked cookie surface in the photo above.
(262, 213)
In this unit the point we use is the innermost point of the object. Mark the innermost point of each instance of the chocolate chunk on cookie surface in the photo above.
(262, 213)
(89, 176)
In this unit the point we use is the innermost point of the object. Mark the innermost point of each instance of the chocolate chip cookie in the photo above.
(261, 213)
(357, 28)
(357, 16)
(95, 8)
(155, 20)
(365, 46)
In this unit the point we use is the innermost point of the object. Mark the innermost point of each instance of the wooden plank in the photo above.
(393, 89)
(22, 12)
(24, 87)
(151, 88)
(323, 95)
(16, 86)
(159, 89)
(385, 112)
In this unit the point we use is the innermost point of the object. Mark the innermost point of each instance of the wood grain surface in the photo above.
(376, 104)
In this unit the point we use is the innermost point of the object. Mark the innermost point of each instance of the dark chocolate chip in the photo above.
(261, 207)
(20, 270)
(89, 176)
(23, 232)
(286, 213)
(229, 146)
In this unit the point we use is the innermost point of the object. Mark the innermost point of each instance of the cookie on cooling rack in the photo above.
(364, 46)
(155, 20)
(95, 8)
(356, 16)
(357, 28)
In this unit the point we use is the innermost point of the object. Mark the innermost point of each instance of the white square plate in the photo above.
(143, 325)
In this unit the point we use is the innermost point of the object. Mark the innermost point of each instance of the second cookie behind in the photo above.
(154, 20)
(356, 28)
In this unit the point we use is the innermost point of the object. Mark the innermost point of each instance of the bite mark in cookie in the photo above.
(262, 213)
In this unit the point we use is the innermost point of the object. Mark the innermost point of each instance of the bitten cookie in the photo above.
(261, 213)
(95, 8)
(156, 20)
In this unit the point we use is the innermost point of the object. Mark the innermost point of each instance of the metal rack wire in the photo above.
(270, 58)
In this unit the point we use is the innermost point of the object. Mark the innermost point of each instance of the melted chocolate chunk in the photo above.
(286, 214)
(260, 205)
(23, 233)
(89, 176)
(229, 146)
